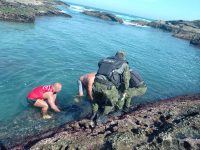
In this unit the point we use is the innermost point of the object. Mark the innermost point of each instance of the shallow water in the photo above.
(62, 49)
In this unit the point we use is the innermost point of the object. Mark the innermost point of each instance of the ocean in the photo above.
(59, 49)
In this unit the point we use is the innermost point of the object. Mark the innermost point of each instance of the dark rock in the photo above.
(2, 147)
(188, 30)
(139, 22)
(57, 3)
(187, 145)
(171, 124)
(18, 18)
(163, 25)
(196, 40)
(25, 12)
(103, 15)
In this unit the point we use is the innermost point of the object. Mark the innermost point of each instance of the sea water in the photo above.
(59, 49)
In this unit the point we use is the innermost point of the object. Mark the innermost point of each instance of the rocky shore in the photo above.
(27, 10)
(103, 15)
(188, 30)
(168, 124)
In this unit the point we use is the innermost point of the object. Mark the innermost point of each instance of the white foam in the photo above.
(63, 11)
(132, 24)
(129, 18)
(79, 8)
(126, 18)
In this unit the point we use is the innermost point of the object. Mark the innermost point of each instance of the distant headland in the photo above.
(26, 11)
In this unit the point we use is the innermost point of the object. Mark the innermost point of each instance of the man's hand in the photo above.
(56, 109)
(53, 106)
(51, 102)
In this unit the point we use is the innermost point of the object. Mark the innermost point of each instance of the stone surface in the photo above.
(188, 30)
(26, 11)
(103, 15)
(167, 124)
(195, 40)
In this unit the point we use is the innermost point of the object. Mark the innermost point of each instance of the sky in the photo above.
(153, 9)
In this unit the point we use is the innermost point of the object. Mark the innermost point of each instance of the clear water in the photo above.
(62, 49)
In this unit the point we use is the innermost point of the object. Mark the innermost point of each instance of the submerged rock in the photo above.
(103, 15)
(167, 124)
(26, 11)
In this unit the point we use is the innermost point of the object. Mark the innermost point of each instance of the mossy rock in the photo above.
(120, 141)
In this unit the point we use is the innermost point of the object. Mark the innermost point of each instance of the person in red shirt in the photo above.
(40, 96)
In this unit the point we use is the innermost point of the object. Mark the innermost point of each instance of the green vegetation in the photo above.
(10, 10)
(25, 11)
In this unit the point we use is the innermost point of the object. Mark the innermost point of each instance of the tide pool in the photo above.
(61, 49)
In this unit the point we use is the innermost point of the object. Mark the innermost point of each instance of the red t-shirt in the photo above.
(38, 92)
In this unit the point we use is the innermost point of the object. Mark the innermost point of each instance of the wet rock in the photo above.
(139, 22)
(195, 40)
(120, 141)
(26, 11)
(170, 124)
(103, 15)
(56, 2)
(188, 30)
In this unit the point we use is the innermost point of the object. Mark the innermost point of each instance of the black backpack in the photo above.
(135, 80)
(108, 67)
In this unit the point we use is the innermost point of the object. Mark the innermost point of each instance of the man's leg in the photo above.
(127, 103)
(133, 92)
(42, 104)
(120, 104)
(112, 98)
(94, 103)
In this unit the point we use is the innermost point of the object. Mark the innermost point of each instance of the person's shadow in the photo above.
(73, 110)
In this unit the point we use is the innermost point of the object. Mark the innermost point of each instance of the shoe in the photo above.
(126, 110)
(46, 117)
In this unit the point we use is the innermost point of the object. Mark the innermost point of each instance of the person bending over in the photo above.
(113, 75)
(43, 95)
(85, 83)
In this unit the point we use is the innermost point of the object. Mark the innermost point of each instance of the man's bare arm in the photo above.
(52, 104)
(90, 84)
(51, 101)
